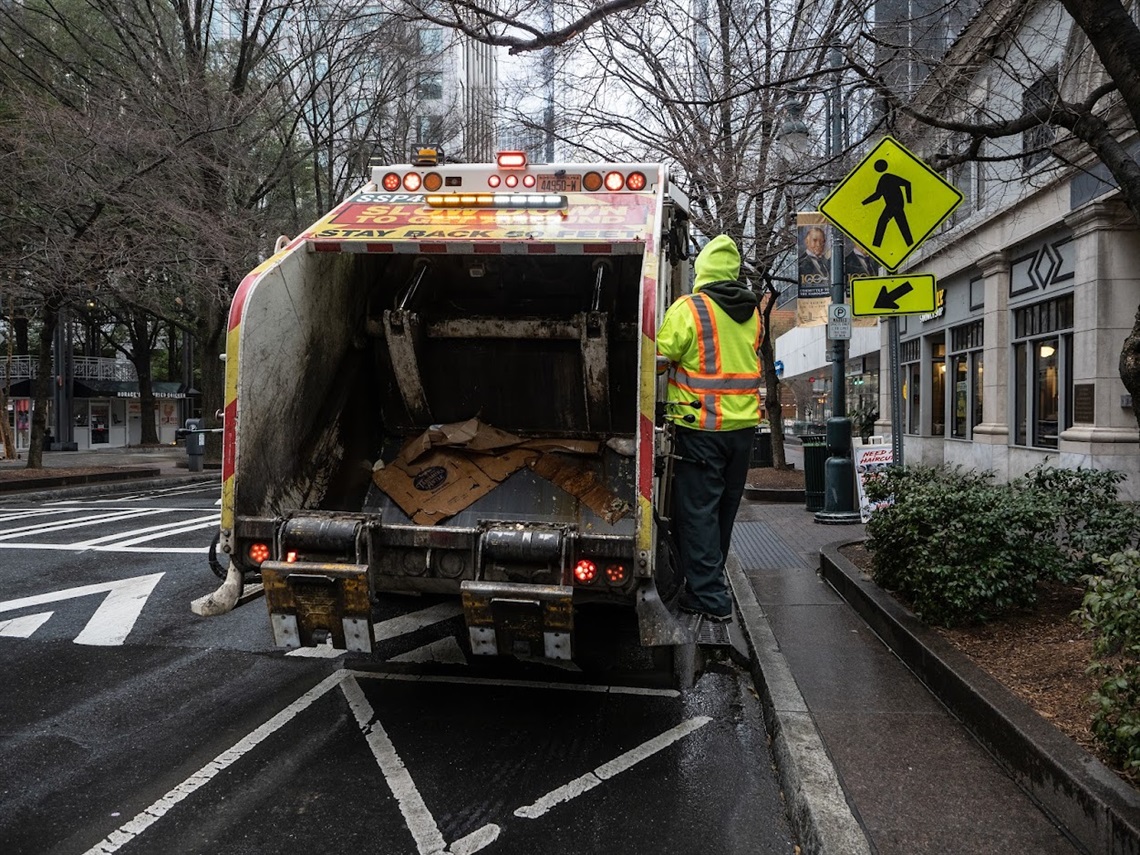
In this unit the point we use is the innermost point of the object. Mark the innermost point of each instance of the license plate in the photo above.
(560, 183)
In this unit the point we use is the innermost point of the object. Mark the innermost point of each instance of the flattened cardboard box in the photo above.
(449, 467)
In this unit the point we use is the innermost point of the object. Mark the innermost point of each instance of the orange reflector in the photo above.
(585, 571)
(391, 182)
(636, 181)
(511, 159)
(433, 181)
(258, 552)
(592, 181)
(615, 573)
(412, 181)
(614, 181)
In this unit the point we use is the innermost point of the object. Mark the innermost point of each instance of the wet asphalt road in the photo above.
(128, 724)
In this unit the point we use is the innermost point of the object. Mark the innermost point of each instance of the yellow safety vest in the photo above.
(714, 379)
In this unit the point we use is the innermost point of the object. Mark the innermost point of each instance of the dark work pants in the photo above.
(708, 485)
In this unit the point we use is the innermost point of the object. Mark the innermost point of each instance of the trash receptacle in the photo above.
(195, 444)
(815, 464)
(761, 450)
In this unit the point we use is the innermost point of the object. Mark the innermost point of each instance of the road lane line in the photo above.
(420, 822)
(628, 760)
(149, 550)
(519, 684)
(161, 527)
(148, 817)
(391, 628)
(476, 840)
(180, 528)
(82, 522)
(29, 513)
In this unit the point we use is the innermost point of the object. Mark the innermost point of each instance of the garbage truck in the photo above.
(449, 385)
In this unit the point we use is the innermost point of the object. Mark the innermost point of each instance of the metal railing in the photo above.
(23, 367)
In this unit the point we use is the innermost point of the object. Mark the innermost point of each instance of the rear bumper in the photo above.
(309, 602)
(505, 618)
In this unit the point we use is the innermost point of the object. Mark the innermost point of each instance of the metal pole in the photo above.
(839, 471)
(896, 391)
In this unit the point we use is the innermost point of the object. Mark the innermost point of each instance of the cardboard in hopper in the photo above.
(448, 467)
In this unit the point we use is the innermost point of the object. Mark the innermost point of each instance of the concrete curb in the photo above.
(106, 488)
(1070, 785)
(817, 805)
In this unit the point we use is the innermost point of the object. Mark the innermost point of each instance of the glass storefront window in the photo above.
(913, 408)
(960, 374)
(1046, 424)
(1042, 372)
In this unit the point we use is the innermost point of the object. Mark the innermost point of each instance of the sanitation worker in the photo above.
(711, 338)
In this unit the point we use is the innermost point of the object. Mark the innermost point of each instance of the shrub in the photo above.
(1110, 611)
(962, 549)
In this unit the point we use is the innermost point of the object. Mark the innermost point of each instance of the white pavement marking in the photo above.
(67, 547)
(23, 627)
(211, 521)
(476, 840)
(130, 830)
(420, 822)
(391, 628)
(29, 513)
(116, 615)
(445, 650)
(159, 530)
(81, 522)
(620, 764)
(519, 684)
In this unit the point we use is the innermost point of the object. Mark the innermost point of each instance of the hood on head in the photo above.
(719, 261)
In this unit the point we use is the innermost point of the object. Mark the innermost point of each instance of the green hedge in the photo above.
(963, 549)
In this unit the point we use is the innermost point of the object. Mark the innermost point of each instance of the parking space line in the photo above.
(628, 760)
(420, 822)
(148, 817)
(519, 684)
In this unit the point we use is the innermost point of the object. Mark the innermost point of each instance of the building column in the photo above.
(994, 429)
(1106, 293)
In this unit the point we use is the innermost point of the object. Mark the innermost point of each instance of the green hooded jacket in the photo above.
(714, 379)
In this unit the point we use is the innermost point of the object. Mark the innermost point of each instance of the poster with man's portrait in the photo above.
(813, 255)
(856, 263)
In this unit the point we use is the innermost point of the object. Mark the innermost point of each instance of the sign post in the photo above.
(889, 204)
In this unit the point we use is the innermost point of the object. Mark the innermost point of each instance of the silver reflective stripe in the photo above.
(708, 333)
(717, 384)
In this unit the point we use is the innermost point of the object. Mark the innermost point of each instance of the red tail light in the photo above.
(511, 159)
(585, 571)
(635, 181)
(258, 552)
(494, 181)
(391, 182)
(615, 574)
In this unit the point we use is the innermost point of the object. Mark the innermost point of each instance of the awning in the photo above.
(125, 389)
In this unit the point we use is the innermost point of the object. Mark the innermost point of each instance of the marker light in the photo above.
(528, 181)
(636, 181)
(291, 557)
(585, 571)
(511, 159)
(494, 181)
(615, 574)
(412, 181)
(512, 180)
(495, 200)
(391, 182)
(614, 181)
(433, 181)
(592, 181)
(258, 552)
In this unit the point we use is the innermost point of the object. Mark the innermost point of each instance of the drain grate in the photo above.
(760, 547)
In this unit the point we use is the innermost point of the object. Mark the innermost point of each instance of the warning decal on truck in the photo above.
(595, 218)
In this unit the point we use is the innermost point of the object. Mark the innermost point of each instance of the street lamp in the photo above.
(839, 471)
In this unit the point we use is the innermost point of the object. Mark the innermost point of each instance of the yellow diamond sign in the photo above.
(890, 203)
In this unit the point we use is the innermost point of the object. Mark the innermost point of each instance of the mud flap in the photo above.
(309, 601)
(223, 599)
(658, 626)
(513, 619)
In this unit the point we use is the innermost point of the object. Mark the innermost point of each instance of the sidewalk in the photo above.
(67, 474)
(913, 777)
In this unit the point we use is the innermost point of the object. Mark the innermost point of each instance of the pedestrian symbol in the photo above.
(890, 203)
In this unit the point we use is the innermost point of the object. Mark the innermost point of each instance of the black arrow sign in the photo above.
(890, 299)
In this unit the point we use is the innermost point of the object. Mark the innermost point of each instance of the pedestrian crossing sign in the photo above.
(890, 203)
